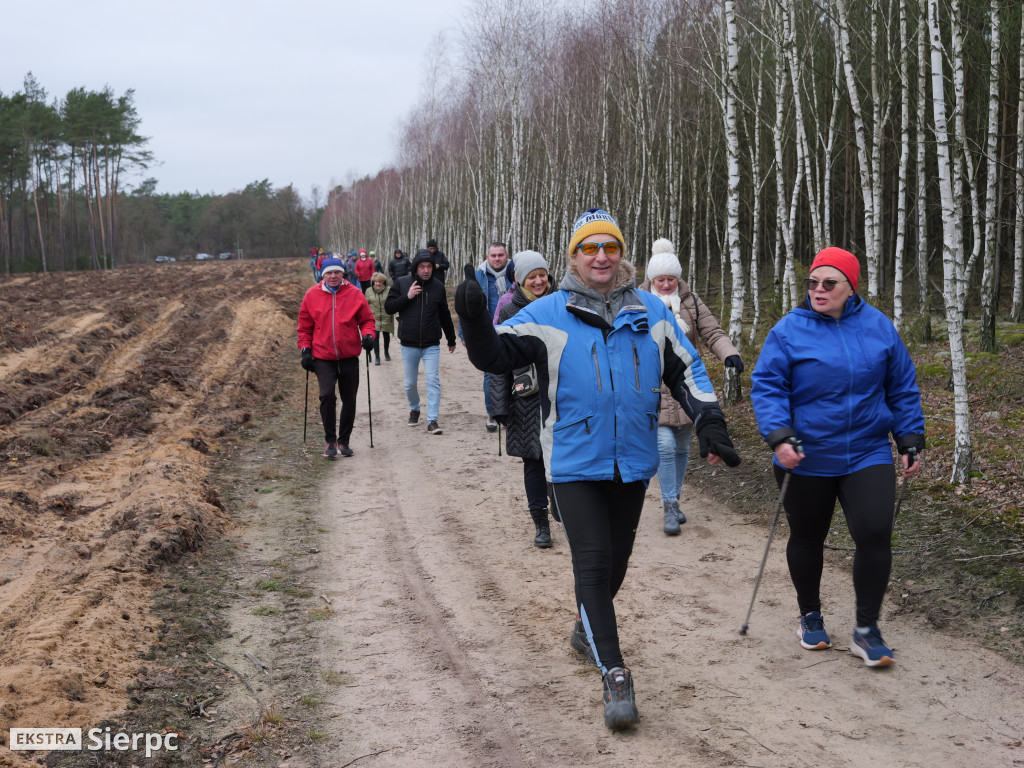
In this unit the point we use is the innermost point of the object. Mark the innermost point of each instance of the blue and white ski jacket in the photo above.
(600, 382)
(840, 386)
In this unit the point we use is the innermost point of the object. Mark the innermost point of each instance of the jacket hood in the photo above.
(422, 255)
(586, 298)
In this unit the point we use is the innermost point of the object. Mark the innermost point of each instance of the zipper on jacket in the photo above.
(586, 425)
(636, 365)
(597, 369)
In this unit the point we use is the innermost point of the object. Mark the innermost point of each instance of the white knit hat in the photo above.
(663, 261)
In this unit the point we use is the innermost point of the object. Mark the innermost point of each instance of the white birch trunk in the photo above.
(991, 222)
(731, 389)
(952, 259)
(901, 203)
(922, 178)
(1017, 310)
(863, 150)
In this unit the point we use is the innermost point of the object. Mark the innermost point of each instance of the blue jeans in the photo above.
(431, 357)
(673, 456)
(487, 393)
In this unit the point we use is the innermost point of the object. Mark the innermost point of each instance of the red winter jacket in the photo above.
(364, 269)
(333, 324)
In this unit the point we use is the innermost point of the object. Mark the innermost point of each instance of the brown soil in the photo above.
(166, 535)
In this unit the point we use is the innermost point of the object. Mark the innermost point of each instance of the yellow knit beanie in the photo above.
(594, 221)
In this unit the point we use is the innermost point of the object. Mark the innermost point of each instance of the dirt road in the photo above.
(425, 630)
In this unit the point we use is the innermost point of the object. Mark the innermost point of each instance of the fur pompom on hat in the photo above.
(594, 221)
(526, 262)
(842, 260)
(664, 262)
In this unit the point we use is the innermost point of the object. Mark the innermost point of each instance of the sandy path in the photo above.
(453, 630)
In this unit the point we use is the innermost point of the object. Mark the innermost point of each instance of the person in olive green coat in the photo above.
(375, 295)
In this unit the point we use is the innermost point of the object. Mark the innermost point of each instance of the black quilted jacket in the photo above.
(522, 433)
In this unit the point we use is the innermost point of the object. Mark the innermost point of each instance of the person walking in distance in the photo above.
(515, 397)
(399, 266)
(335, 322)
(375, 297)
(440, 261)
(363, 269)
(421, 304)
(835, 375)
(664, 278)
(601, 349)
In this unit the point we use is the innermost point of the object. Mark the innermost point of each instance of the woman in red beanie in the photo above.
(833, 382)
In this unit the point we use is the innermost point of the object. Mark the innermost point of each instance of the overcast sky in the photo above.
(233, 91)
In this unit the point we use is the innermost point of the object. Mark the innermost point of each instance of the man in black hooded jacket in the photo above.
(421, 304)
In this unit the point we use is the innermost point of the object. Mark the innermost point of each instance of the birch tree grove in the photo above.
(751, 134)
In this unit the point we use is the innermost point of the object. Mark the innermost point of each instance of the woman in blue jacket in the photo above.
(835, 379)
(602, 349)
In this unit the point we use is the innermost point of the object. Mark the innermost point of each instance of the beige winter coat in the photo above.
(696, 319)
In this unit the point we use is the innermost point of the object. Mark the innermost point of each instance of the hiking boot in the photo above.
(679, 513)
(540, 519)
(812, 632)
(377, 361)
(671, 527)
(331, 451)
(492, 425)
(619, 703)
(433, 429)
(414, 418)
(578, 640)
(870, 647)
(387, 358)
(344, 450)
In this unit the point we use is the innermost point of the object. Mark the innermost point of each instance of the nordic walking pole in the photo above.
(911, 460)
(771, 533)
(369, 403)
(499, 438)
(305, 410)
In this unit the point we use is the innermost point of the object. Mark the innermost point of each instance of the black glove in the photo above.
(367, 342)
(714, 438)
(733, 361)
(501, 418)
(470, 301)
(307, 358)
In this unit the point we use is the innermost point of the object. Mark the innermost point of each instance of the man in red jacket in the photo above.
(335, 322)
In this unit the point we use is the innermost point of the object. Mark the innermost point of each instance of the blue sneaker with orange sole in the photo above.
(812, 632)
(872, 648)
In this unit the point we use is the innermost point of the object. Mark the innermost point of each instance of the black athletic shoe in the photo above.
(331, 451)
(619, 703)
(492, 425)
(433, 429)
(414, 418)
(387, 358)
(344, 450)
(578, 640)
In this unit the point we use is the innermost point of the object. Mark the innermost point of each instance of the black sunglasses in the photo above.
(826, 285)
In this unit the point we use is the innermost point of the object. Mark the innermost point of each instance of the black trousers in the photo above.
(536, 483)
(867, 498)
(343, 374)
(376, 345)
(600, 519)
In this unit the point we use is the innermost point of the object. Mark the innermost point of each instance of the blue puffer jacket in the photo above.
(840, 386)
(600, 381)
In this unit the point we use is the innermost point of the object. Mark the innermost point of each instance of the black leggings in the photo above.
(600, 519)
(345, 374)
(867, 498)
